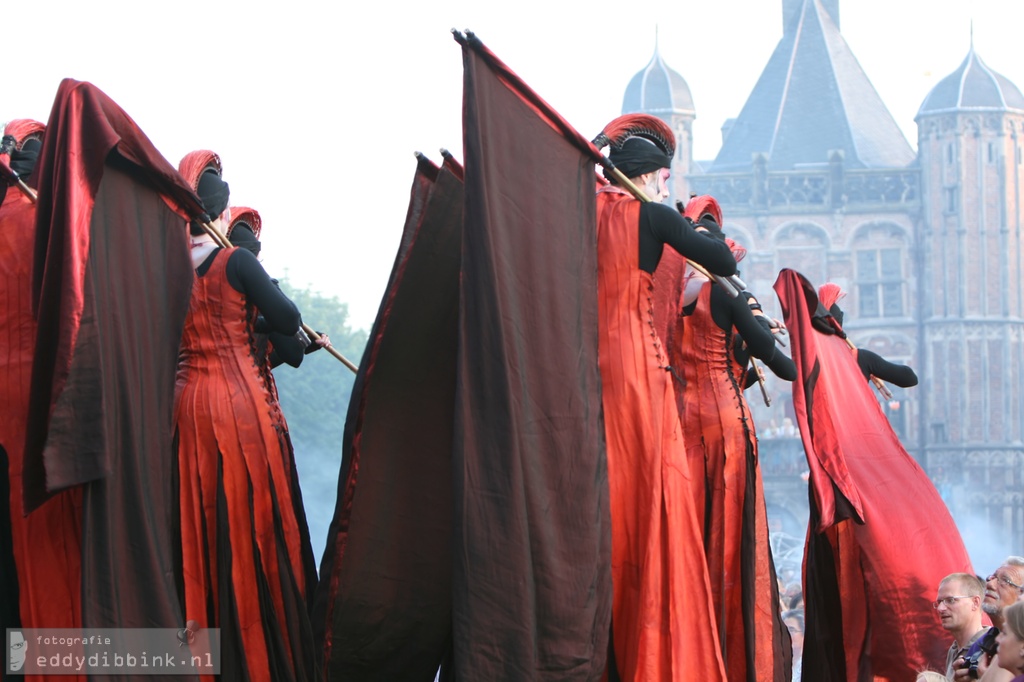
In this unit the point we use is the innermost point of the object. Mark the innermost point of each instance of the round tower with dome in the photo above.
(657, 89)
(970, 139)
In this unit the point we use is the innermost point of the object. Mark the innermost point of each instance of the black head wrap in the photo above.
(242, 236)
(214, 193)
(837, 313)
(637, 156)
(23, 161)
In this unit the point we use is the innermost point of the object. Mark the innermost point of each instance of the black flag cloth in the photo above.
(532, 541)
(383, 606)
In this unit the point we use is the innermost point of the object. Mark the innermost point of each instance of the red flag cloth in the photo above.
(880, 538)
(532, 588)
(382, 610)
(112, 278)
(84, 127)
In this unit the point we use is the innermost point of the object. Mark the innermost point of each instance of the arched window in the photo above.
(803, 247)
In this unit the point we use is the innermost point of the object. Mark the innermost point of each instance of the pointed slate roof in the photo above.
(972, 86)
(811, 98)
(657, 89)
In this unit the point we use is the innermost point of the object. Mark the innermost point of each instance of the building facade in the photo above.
(814, 174)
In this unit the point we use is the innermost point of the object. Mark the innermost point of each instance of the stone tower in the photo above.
(656, 89)
(970, 138)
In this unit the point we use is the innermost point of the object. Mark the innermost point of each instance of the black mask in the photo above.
(242, 236)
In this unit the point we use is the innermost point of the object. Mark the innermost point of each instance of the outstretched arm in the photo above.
(660, 224)
(872, 363)
(755, 331)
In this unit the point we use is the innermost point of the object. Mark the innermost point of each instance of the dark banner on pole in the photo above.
(383, 607)
(532, 587)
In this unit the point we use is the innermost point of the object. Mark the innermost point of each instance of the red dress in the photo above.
(661, 597)
(729, 495)
(241, 543)
(47, 544)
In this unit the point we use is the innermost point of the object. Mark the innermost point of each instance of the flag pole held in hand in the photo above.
(222, 241)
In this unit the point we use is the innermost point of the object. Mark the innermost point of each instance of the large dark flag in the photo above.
(880, 537)
(532, 540)
(382, 610)
(111, 285)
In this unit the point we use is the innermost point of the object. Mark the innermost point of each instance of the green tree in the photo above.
(315, 400)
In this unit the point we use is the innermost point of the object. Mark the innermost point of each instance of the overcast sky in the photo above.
(317, 108)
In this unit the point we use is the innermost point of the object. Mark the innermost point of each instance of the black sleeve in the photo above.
(285, 349)
(753, 331)
(661, 224)
(871, 363)
(782, 366)
(246, 275)
(731, 312)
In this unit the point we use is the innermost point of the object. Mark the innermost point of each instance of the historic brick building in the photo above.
(815, 175)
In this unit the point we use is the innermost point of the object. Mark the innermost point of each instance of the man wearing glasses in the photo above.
(959, 607)
(1002, 588)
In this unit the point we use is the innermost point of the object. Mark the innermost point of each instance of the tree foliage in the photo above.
(315, 400)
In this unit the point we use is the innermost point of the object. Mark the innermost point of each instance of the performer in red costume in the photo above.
(661, 595)
(45, 590)
(880, 537)
(728, 491)
(245, 549)
(244, 232)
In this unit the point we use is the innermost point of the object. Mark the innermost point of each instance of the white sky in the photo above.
(317, 108)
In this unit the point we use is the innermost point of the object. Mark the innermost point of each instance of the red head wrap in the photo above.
(194, 164)
(23, 128)
(249, 216)
(649, 127)
(704, 206)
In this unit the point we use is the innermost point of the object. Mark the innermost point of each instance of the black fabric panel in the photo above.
(138, 281)
(532, 591)
(9, 615)
(824, 657)
(383, 606)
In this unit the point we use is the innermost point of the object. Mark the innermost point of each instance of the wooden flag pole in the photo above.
(222, 241)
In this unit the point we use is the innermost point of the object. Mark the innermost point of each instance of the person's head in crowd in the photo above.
(796, 600)
(794, 620)
(244, 230)
(1011, 639)
(1003, 587)
(958, 604)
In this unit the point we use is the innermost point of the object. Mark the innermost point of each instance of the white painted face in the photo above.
(657, 186)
